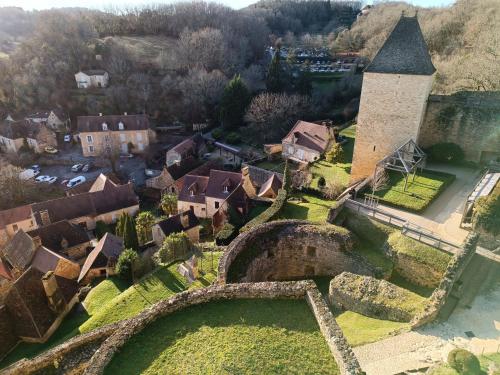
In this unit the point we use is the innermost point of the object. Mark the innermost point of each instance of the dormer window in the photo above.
(191, 193)
(226, 189)
(121, 126)
(104, 126)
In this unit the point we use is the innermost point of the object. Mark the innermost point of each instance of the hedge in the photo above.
(269, 214)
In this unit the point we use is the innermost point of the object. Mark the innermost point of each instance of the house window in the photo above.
(216, 204)
(121, 126)
(139, 136)
(106, 138)
(89, 139)
(122, 137)
(104, 126)
(91, 149)
(374, 148)
(226, 189)
(203, 209)
(15, 227)
(191, 193)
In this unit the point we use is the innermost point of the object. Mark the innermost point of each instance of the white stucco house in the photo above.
(92, 78)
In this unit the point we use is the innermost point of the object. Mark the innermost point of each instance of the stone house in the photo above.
(105, 201)
(394, 95)
(306, 142)
(114, 134)
(186, 222)
(91, 78)
(39, 136)
(102, 260)
(260, 183)
(64, 237)
(35, 307)
(14, 219)
(193, 147)
(24, 251)
(236, 205)
(56, 119)
(204, 195)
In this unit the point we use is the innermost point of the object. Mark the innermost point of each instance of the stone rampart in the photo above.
(291, 249)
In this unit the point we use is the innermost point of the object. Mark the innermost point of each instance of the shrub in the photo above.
(226, 235)
(333, 189)
(464, 362)
(287, 179)
(101, 228)
(175, 246)
(168, 203)
(335, 154)
(269, 214)
(321, 182)
(217, 134)
(125, 264)
(446, 153)
(233, 138)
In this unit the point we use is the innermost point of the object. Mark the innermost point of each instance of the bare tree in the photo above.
(380, 180)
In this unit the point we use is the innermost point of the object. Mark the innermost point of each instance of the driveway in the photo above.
(443, 216)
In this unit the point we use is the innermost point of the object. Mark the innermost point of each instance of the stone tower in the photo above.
(396, 85)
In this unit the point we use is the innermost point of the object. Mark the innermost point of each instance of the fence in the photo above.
(408, 229)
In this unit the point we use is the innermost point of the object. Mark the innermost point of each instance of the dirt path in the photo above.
(430, 345)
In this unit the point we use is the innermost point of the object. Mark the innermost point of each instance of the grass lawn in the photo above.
(230, 337)
(315, 209)
(359, 329)
(111, 301)
(419, 193)
(485, 360)
(272, 165)
(422, 253)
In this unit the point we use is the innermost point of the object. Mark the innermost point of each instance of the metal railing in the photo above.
(407, 228)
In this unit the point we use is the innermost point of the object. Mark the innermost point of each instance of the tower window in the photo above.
(374, 147)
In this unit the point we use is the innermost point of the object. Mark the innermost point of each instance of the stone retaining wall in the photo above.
(453, 272)
(291, 249)
(301, 289)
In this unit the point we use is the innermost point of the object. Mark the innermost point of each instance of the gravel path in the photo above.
(431, 344)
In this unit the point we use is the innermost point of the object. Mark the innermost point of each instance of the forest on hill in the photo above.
(464, 40)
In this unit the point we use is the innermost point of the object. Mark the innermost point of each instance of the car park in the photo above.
(86, 167)
(76, 167)
(42, 178)
(76, 181)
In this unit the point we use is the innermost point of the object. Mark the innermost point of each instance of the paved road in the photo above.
(443, 216)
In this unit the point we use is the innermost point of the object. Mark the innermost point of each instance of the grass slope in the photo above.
(313, 208)
(111, 301)
(230, 337)
(419, 193)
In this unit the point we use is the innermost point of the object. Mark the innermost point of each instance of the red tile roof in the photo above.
(14, 215)
(220, 179)
(109, 246)
(307, 134)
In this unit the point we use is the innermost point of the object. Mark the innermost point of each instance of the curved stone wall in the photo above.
(290, 250)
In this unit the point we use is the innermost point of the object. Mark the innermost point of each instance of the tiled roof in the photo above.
(52, 235)
(272, 184)
(15, 215)
(404, 51)
(186, 165)
(174, 223)
(20, 250)
(307, 134)
(109, 247)
(91, 184)
(94, 123)
(260, 176)
(94, 72)
(197, 184)
(28, 304)
(202, 170)
(220, 179)
(45, 260)
(190, 145)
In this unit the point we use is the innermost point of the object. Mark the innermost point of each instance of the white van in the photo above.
(76, 181)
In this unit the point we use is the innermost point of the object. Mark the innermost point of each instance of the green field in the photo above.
(313, 209)
(230, 337)
(111, 301)
(419, 193)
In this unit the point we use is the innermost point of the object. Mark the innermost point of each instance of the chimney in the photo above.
(185, 219)
(125, 113)
(44, 215)
(64, 243)
(244, 171)
(37, 241)
(53, 293)
(100, 114)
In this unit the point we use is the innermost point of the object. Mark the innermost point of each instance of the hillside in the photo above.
(464, 40)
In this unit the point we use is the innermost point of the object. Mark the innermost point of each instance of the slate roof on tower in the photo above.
(404, 51)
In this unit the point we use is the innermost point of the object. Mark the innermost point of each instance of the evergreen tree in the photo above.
(130, 240)
(335, 154)
(303, 85)
(143, 224)
(275, 79)
(120, 224)
(234, 102)
(125, 264)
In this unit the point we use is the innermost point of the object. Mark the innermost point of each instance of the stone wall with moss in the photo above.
(291, 249)
(469, 119)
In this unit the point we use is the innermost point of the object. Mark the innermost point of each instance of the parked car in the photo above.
(76, 167)
(76, 181)
(67, 138)
(52, 180)
(51, 150)
(86, 167)
(207, 156)
(42, 178)
(35, 167)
